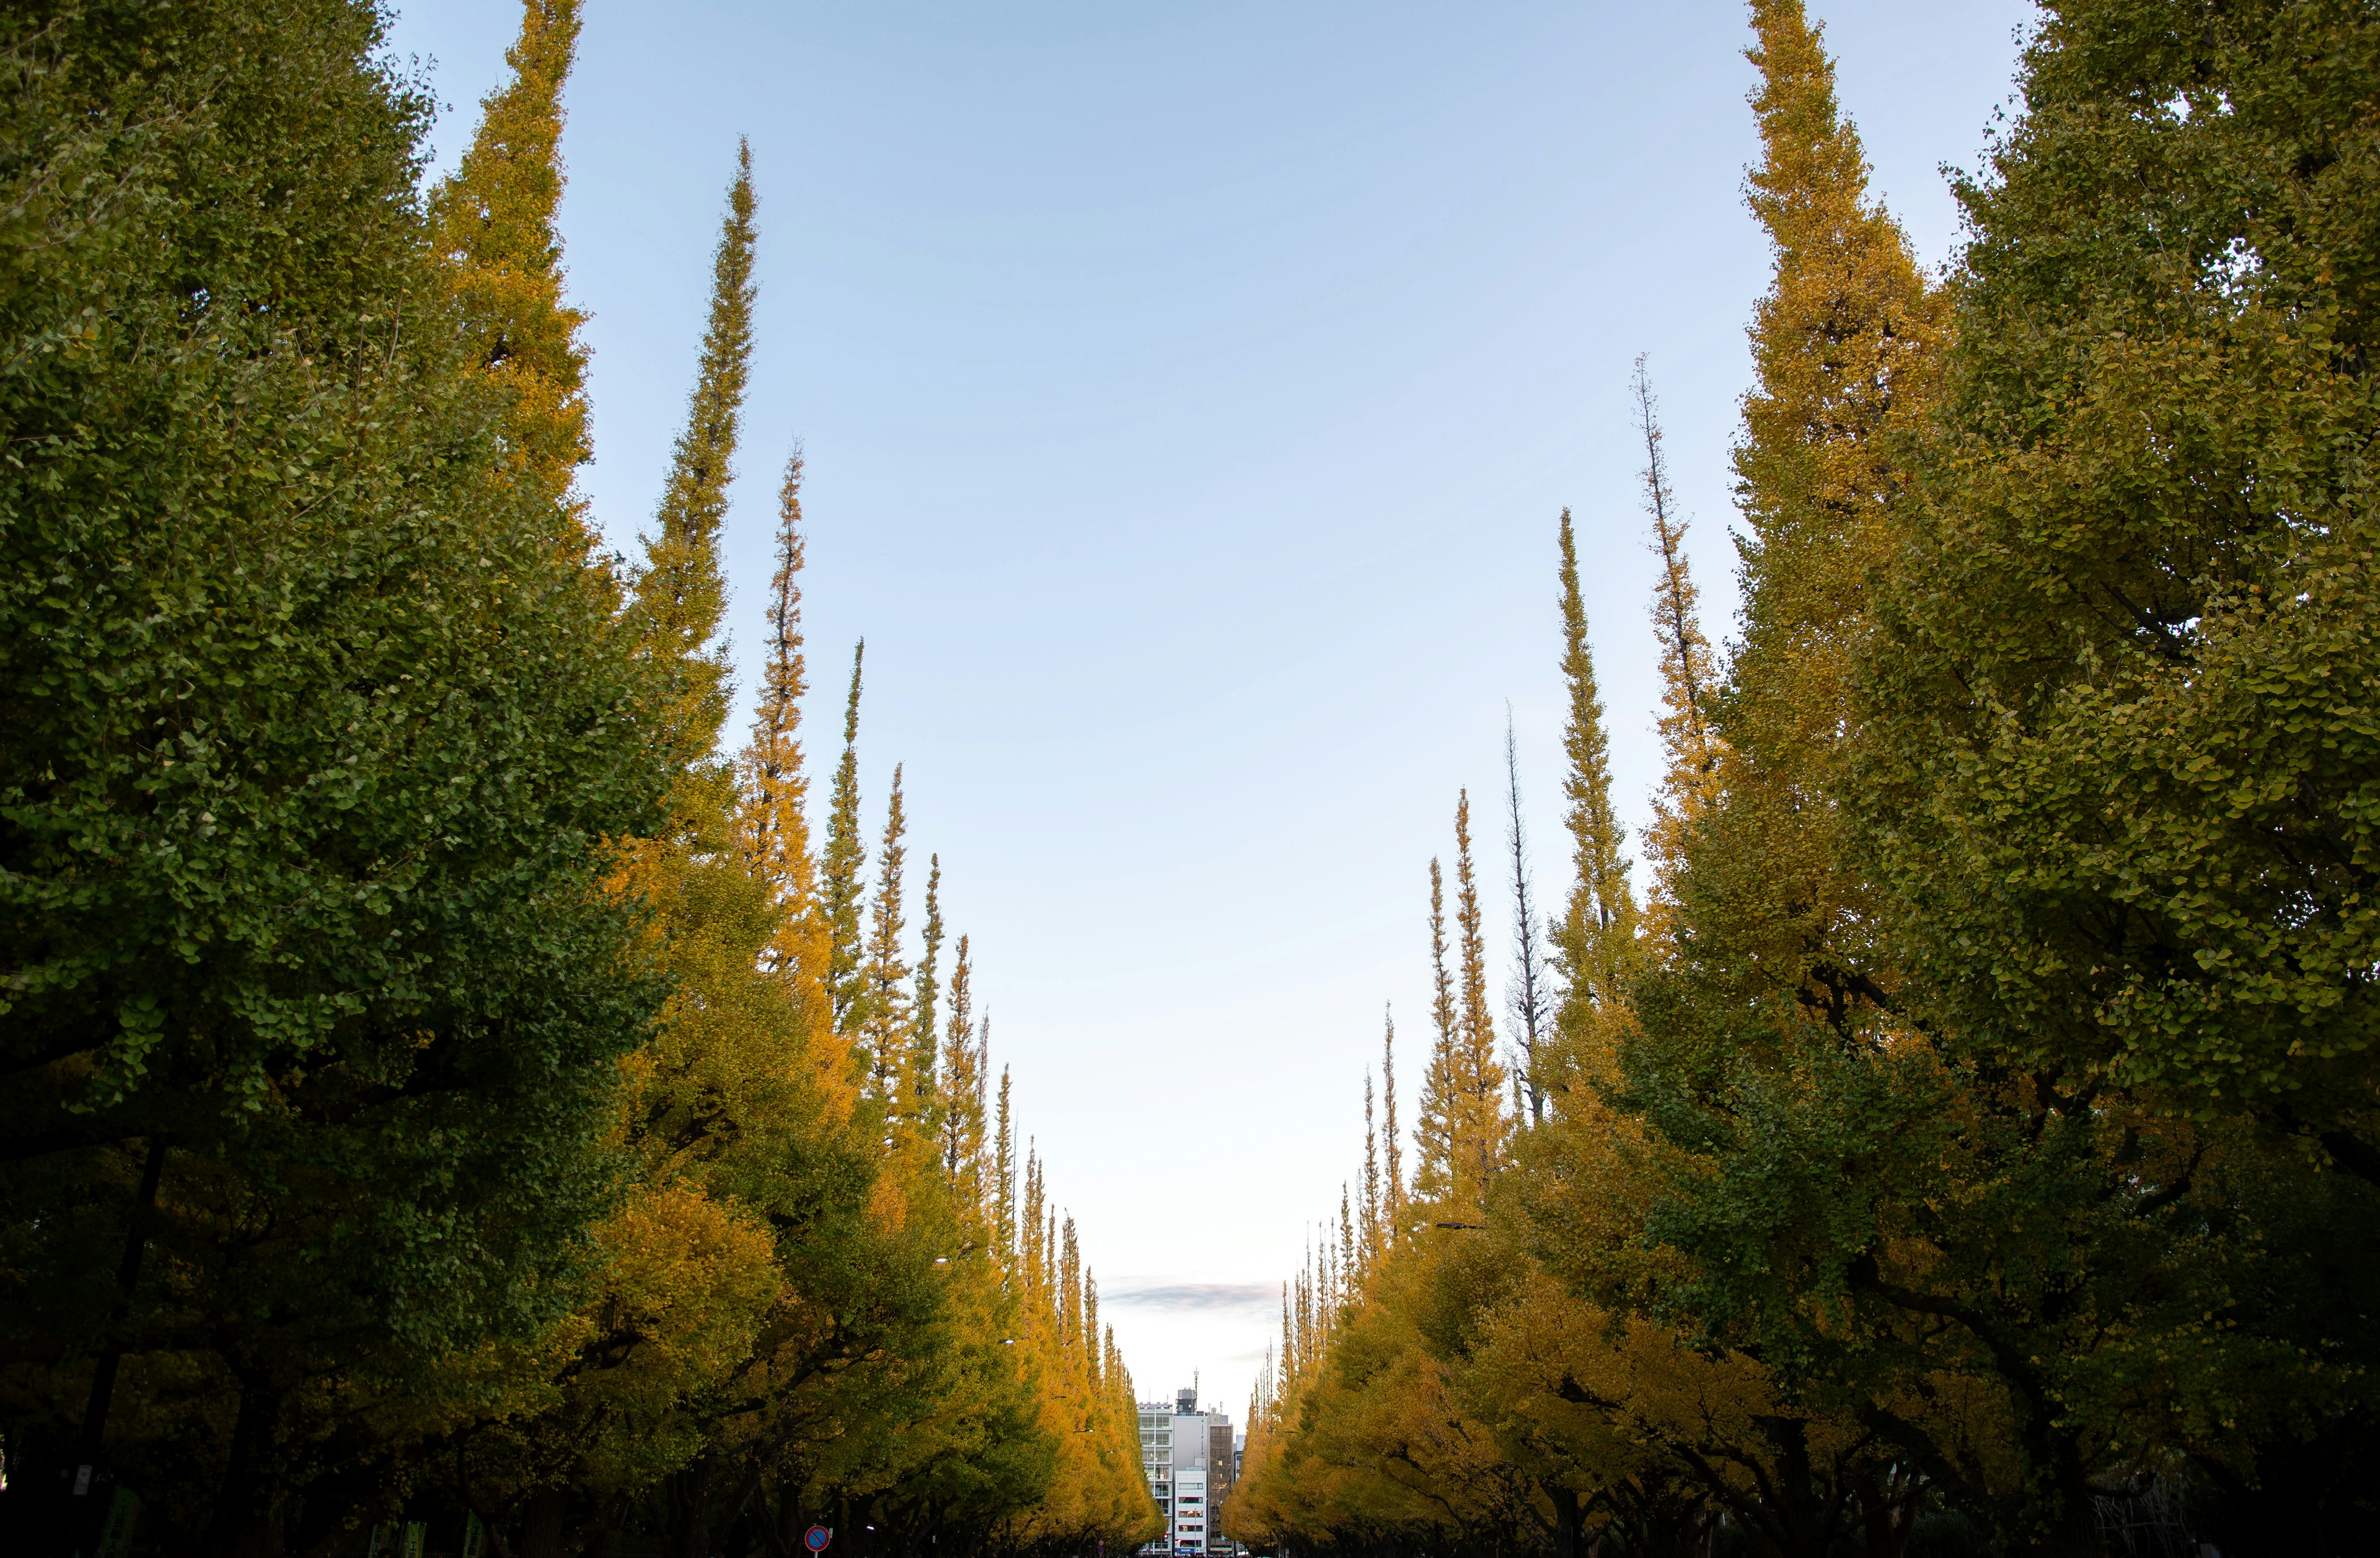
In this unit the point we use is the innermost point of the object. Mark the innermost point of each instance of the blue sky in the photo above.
(1189, 393)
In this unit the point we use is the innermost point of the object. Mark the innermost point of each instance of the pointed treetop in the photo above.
(1441, 1006)
(1531, 997)
(1003, 1179)
(1812, 154)
(492, 221)
(960, 1095)
(1688, 669)
(887, 1024)
(1441, 1075)
(840, 868)
(1395, 1164)
(1599, 925)
(1350, 1257)
(1843, 353)
(680, 594)
(1478, 1143)
(851, 699)
(1459, 1137)
(928, 991)
(774, 785)
(1686, 662)
(772, 759)
(1372, 1210)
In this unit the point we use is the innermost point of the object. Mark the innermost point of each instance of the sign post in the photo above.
(115, 1537)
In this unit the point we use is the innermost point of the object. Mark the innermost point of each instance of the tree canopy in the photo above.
(426, 1106)
(1969, 1147)
(461, 1100)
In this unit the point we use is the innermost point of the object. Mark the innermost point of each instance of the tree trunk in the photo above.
(782, 1525)
(1797, 1496)
(1887, 1518)
(541, 1528)
(245, 1520)
(127, 1278)
(1565, 1503)
(2071, 1529)
(694, 1504)
(1705, 1531)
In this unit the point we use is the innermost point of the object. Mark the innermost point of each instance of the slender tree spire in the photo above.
(1048, 1241)
(680, 595)
(845, 859)
(983, 1060)
(1373, 1211)
(1460, 1138)
(492, 221)
(1004, 1181)
(1532, 996)
(1676, 602)
(775, 819)
(929, 989)
(1288, 1343)
(1691, 746)
(1348, 1248)
(1327, 1280)
(1480, 1138)
(1598, 926)
(1310, 1342)
(1036, 1261)
(961, 1096)
(1441, 1079)
(1070, 1288)
(1395, 1155)
(1442, 1013)
(888, 1024)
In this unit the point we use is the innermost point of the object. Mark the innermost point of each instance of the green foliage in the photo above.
(369, 872)
(2125, 768)
(1978, 1140)
(314, 742)
(439, 1079)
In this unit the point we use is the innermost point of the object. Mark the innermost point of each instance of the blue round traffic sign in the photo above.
(815, 1539)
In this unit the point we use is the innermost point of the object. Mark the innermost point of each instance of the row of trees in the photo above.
(446, 1087)
(1968, 1142)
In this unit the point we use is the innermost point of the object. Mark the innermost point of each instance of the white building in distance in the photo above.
(1191, 1459)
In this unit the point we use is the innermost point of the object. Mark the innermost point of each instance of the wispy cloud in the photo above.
(1196, 1296)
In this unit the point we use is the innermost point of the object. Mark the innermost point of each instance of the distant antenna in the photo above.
(1193, 1387)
